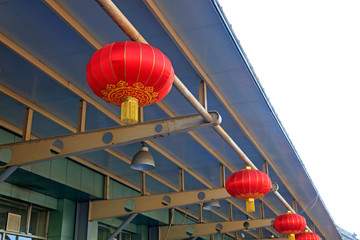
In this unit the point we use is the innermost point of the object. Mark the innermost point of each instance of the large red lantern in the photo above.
(248, 184)
(130, 75)
(290, 224)
(307, 236)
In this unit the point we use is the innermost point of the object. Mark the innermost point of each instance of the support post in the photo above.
(28, 217)
(295, 205)
(83, 228)
(262, 212)
(222, 176)
(27, 124)
(313, 227)
(200, 212)
(81, 116)
(106, 188)
(141, 115)
(181, 180)
(203, 94)
(266, 167)
(230, 212)
(122, 226)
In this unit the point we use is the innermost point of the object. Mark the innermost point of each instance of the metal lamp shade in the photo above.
(143, 161)
(211, 205)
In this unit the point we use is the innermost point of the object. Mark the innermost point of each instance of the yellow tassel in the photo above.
(250, 205)
(129, 110)
(291, 236)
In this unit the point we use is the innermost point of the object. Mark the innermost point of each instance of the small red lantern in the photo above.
(130, 74)
(290, 224)
(248, 184)
(307, 236)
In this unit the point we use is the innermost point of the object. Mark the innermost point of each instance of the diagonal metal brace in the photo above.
(36, 150)
(124, 206)
(202, 229)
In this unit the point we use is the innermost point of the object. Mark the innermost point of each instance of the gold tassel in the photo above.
(250, 205)
(129, 110)
(291, 236)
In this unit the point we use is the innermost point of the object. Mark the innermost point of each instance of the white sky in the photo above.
(306, 56)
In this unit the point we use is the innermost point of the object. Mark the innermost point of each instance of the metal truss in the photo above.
(203, 229)
(28, 152)
(124, 206)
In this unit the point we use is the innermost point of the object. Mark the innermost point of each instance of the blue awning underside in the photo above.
(205, 32)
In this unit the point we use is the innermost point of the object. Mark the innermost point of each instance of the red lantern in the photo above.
(307, 236)
(130, 74)
(290, 224)
(248, 184)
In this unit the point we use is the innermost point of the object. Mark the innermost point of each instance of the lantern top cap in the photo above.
(247, 167)
(288, 211)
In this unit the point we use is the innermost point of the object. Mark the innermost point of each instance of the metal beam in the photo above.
(196, 230)
(109, 174)
(118, 207)
(71, 144)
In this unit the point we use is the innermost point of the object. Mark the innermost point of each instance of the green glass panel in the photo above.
(58, 170)
(41, 168)
(73, 174)
(15, 208)
(87, 180)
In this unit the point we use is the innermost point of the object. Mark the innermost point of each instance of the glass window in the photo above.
(12, 207)
(38, 222)
(103, 233)
(14, 237)
(10, 237)
(125, 236)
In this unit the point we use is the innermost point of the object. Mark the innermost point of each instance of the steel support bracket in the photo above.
(67, 145)
(124, 206)
(203, 229)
